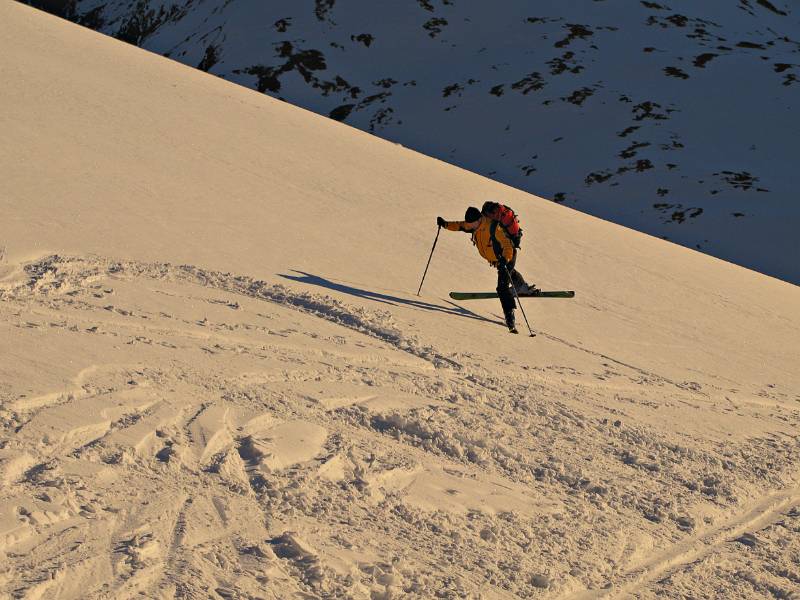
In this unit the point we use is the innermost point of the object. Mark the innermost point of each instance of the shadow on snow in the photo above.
(453, 309)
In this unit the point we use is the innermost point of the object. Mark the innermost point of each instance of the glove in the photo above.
(441, 222)
(501, 263)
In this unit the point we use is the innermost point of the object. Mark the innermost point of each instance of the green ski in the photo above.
(483, 295)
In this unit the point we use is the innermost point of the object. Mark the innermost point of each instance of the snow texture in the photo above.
(674, 118)
(217, 380)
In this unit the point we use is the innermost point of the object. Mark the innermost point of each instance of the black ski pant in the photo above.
(507, 276)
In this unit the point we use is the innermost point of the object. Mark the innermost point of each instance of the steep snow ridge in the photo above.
(217, 378)
(47, 274)
(674, 118)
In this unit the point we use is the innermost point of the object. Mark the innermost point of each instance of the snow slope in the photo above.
(674, 118)
(216, 379)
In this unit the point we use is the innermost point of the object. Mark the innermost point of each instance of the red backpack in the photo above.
(507, 219)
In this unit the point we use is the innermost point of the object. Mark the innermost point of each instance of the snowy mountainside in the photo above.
(199, 398)
(674, 118)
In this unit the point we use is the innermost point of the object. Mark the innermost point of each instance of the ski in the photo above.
(483, 295)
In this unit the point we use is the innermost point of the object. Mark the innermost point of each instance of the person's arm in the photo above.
(502, 244)
(458, 225)
(508, 247)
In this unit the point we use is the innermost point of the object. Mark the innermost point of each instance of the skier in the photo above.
(495, 245)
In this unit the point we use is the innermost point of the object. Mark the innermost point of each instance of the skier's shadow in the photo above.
(453, 309)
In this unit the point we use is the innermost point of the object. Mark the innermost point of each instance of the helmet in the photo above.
(472, 214)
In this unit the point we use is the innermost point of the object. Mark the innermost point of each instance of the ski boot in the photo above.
(527, 289)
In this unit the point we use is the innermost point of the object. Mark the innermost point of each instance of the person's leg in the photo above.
(517, 280)
(506, 294)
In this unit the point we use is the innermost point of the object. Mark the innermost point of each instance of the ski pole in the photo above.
(436, 239)
(516, 295)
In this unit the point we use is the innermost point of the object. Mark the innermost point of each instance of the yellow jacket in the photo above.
(489, 237)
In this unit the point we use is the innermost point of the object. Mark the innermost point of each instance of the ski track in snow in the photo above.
(200, 436)
(757, 517)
